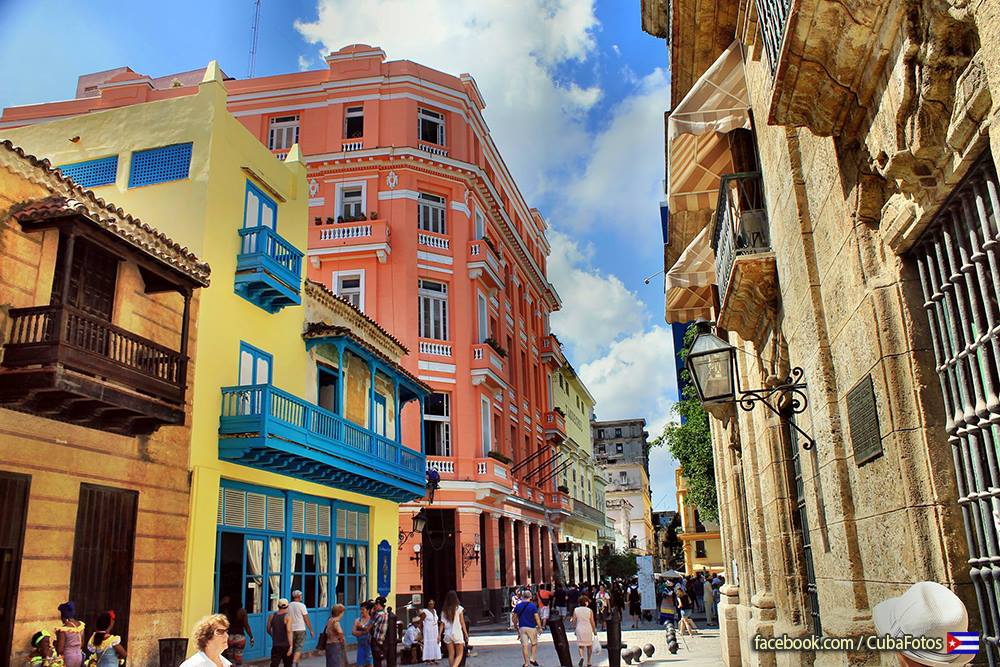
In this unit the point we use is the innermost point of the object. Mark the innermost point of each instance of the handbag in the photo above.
(321, 641)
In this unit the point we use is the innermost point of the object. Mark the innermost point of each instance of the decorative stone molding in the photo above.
(750, 304)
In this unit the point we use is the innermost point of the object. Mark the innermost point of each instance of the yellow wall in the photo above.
(714, 559)
(204, 213)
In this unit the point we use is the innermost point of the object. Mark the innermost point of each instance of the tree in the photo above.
(690, 442)
(618, 565)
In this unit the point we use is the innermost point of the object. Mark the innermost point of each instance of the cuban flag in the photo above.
(963, 642)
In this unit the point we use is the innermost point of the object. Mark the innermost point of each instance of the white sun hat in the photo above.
(926, 609)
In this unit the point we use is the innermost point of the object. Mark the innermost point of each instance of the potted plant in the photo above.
(340, 219)
(373, 215)
(559, 410)
(329, 220)
(502, 458)
(317, 221)
(489, 244)
(562, 488)
(492, 342)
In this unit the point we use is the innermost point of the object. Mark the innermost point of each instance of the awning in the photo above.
(689, 282)
(696, 132)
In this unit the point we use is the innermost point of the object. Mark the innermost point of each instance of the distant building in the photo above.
(621, 449)
(665, 523)
(701, 540)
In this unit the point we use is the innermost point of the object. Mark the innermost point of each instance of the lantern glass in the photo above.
(419, 521)
(711, 362)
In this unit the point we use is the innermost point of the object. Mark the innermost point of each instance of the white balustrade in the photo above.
(338, 233)
(477, 353)
(433, 241)
(353, 146)
(434, 150)
(281, 156)
(436, 349)
(474, 250)
(481, 468)
(441, 466)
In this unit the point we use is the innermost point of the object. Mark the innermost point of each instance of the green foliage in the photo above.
(690, 442)
(618, 565)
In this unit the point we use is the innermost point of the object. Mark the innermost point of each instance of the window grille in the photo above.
(159, 165)
(92, 173)
(773, 17)
(256, 511)
(432, 214)
(959, 269)
(801, 521)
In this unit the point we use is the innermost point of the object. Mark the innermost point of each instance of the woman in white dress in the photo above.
(586, 628)
(432, 643)
(456, 634)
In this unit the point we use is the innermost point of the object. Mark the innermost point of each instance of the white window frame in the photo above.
(351, 185)
(479, 226)
(483, 317)
(283, 126)
(434, 117)
(445, 420)
(351, 273)
(354, 112)
(486, 419)
(435, 296)
(427, 204)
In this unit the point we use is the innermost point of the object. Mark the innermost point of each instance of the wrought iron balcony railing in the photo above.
(773, 17)
(741, 226)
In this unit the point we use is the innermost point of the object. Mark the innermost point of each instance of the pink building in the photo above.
(415, 218)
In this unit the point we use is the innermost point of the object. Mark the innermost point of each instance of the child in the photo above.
(413, 642)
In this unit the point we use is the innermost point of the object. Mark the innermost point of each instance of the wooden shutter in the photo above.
(14, 500)
(103, 555)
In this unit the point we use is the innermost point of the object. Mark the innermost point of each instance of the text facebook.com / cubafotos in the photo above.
(863, 643)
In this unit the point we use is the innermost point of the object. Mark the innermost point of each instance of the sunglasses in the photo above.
(221, 631)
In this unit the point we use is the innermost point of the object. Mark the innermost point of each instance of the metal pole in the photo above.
(558, 629)
(615, 638)
(391, 637)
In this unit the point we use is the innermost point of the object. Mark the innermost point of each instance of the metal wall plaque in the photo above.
(862, 418)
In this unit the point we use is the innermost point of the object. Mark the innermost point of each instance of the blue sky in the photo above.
(575, 95)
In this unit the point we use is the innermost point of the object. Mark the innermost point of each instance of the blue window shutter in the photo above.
(92, 173)
(159, 165)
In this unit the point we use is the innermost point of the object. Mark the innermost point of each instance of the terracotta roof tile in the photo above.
(68, 198)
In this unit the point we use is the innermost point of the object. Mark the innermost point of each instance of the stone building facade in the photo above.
(832, 195)
(621, 449)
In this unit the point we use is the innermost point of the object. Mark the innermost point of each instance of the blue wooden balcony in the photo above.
(268, 269)
(264, 427)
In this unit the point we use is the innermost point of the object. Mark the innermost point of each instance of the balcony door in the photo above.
(93, 273)
(255, 370)
(380, 415)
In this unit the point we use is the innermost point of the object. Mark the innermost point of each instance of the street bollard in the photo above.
(391, 637)
(559, 640)
(615, 639)
(671, 637)
(648, 650)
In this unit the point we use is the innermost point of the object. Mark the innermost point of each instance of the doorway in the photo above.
(438, 549)
(14, 496)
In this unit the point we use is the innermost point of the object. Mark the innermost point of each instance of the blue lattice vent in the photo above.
(159, 165)
(91, 173)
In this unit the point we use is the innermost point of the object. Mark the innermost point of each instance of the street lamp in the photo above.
(711, 363)
(419, 522)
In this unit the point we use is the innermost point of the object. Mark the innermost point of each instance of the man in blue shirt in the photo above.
(525, 618)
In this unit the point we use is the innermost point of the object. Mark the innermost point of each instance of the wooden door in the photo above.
(14, 500)
(103, 555)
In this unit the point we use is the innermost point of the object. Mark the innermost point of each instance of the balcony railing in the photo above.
(433, 149)
(772, 16)
(588, 513)
(740, 224)
(88, 344)
(268, 269)
(439, 241)
(272, 412)
(365, 235)
(554, 425)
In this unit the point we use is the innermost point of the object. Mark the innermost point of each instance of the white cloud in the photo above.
(304, 63)
(618, 51)
(597, 308)
(513, 50)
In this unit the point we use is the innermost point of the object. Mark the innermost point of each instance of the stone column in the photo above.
(470, 578)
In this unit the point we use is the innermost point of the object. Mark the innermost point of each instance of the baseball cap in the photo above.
(282, 603)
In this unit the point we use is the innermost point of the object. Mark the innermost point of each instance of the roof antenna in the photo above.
(254, 30)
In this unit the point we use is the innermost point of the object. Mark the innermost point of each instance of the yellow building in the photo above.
(297, 461)
(580, 536)
(701, 539)
(97, 333)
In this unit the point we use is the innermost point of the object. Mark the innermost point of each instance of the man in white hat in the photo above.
(927, 609)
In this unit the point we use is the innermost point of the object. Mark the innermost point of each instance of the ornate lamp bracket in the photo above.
(791, 399)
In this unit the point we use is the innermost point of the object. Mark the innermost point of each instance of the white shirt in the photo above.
(297, 612)
(410, 638)
(199, 659)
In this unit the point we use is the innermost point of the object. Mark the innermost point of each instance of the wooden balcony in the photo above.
(745, 268)
(264, 427)
(62, 363)
(327, 237)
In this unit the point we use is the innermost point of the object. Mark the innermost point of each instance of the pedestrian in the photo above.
(709, 601)
(586, 629)
(432, 639)
(379, 625)
(699, 591)
(560, 599)
(106, 647)
(634, 604)
(362, 631)
(603, 600)
(412, 641)
(524, 616)
(211, 635)
(279, 627)
(69, 636)
(239, 629)
(544, 601)
(336, 642)
(926, 609)
(299, 616)
(456, 633)
(572, 597)
(42, 653)
(684, 607)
